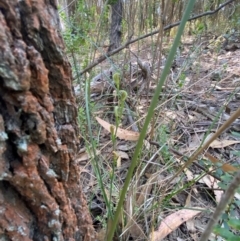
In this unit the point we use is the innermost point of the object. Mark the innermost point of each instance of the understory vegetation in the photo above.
(171, 194)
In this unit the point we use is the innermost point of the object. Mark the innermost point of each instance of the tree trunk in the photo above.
(40, 190)
(116, 25)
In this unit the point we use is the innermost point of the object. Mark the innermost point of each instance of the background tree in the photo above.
(116, 22)
(40, 190)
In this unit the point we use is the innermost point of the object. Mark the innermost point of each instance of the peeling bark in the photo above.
(40, 190)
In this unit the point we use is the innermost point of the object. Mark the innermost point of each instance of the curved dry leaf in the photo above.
(121, 154)
(173, 221)
(85, 156)
(212, 183)
(82, 157)
(126, 146)
(225, 166)
(229, 168)
(188, 173)
(121, 133)
(171, 115)
(195, 141)
(132, 227)
(135, 229)
(146, 144)
(223, 143)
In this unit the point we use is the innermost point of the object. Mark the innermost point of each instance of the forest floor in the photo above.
(201, 92)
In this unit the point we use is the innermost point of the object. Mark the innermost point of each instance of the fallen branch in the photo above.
(107, 55)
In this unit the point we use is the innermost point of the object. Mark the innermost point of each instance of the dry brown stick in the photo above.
(107, 55)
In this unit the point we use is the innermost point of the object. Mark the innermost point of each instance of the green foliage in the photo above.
(234, 223)
(182, 79)
(199, 28)
(78, 27)
(122, 96)
(117, 80)
(162, 138)
(226, 179)
(235, 134)
(118, 110)
(84, 16)
(235, 152)
(235, 19)
(230, 225)
(226, 234)
(111, 2)
(73, 40)
(82, 119)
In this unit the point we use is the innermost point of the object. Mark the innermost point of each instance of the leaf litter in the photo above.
(196, 100)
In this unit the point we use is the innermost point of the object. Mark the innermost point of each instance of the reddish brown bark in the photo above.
(40, 191)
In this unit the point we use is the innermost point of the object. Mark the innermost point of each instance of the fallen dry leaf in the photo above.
(121, 133)
(121, 154)
(126, 146)
(82, 157)
(188, 173)
(132, 227)
(171, 115)
(146, 144)
(135, 229)
(173, 221)
(222, 143)
(194, 143)
(85, 156)
(225, 166)
(211, 182)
